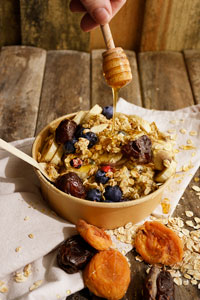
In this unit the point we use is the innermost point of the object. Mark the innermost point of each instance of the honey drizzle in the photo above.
(115, 98)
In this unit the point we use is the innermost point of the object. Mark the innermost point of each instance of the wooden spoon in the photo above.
(13, 150)
(116, 67)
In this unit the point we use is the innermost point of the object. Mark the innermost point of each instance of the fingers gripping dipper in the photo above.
(116, 68)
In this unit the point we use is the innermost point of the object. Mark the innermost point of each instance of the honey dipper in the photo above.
(116, 67)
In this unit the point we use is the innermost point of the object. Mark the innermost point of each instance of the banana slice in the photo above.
(166, 173)
(57, 158)
(79, 117)
(83, 171)
(49, 150)
(95, 110)
(98, 128)
(160, 157)
(109, 158)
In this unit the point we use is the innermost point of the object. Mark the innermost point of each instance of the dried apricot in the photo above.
(157, 243)
(107, 275)
(95, 236)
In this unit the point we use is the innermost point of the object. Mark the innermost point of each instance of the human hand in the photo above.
(98, 12)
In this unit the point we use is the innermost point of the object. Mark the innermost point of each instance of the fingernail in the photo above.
(101, 15)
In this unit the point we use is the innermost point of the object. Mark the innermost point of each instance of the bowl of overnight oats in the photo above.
(107, 171)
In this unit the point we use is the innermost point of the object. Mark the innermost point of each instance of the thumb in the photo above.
(99, 10)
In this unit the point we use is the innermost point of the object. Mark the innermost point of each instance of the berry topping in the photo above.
(92, 138)
(94, 195)
(100, 177)
(79, 132)
(76, 163)
(108, 112)
(69, 146)
(106, 168)
(113, 193)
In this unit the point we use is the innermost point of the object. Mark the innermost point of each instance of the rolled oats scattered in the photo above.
(190, 223)
(178, 281)
(182, 130)
(3, 289)
(197, 220)
(18, 249)
(196, 188)
(185, 282)
(36, 285)
(189, 213)
(193, 282)
(31, 236)
(26, 218)
(68, 292)
(192, 133)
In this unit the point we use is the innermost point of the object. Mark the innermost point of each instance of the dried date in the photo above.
(74, 254)
(139, 149)
(158, 285)
(65, 131)
(71, 184)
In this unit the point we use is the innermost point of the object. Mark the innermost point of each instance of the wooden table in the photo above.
(37, 86)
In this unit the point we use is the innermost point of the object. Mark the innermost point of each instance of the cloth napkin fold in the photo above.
(30, 231)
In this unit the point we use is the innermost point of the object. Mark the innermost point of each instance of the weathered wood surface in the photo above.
(164, 80)
(66, 87)
(102, 93)
(126, 27)
(9, 23)
(51, 25)
(192, 58)
(170, 25)
(66, 84)
(21, 75)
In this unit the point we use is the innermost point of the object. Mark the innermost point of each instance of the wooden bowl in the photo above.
(106, 215)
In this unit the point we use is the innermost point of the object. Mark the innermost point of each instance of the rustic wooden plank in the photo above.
(9, 22)
(126, 34)
(171, 25)
(164, 80)
(21, 75)
(66, 86)
(192, 58)
(51, 25)
(102, 93)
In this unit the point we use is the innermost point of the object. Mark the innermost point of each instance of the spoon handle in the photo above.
(13, 150)
(107, 36)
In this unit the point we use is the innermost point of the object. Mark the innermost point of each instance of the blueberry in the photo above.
(101, 177)
(94, 195)
(79, 132)
(108, 112)
(113, 193)
(69, 146)
(92, 137)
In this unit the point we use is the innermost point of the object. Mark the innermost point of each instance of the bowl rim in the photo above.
(110, 205)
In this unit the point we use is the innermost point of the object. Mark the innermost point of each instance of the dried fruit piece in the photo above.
(107, 275)
(139, 149)
(158, 244)
(74, 254)
(71, 184)
(95, 236)
(65, 131)
(159, 285)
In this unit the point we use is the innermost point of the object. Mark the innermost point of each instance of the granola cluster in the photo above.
(134, 159)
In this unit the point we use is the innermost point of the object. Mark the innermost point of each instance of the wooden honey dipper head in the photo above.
(116, 67)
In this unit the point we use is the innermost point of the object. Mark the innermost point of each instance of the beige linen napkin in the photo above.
(29, 231)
